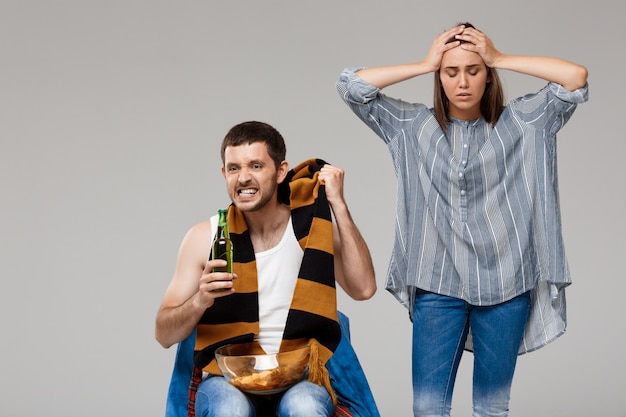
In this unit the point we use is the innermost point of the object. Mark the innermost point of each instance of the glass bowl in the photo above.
(257, 373)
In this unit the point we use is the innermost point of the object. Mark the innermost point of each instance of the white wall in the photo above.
(111, 114)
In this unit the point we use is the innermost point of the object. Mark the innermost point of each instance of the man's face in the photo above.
(251, 176)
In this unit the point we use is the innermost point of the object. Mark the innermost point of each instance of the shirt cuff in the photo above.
(580, 95)
(360, 91)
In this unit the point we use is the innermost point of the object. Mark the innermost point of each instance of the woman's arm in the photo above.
(384, 76)
(568, 74)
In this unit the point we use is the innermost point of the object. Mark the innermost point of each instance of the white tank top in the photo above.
(277, 272)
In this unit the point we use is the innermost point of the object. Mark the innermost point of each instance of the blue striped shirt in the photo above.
(477, 214)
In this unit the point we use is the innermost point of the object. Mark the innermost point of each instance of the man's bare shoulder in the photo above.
(199, 235)
(192, 256)
(200, 228)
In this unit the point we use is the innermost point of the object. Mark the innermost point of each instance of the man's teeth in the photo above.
(249, 192)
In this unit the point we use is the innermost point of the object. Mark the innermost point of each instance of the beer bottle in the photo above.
(222, 245)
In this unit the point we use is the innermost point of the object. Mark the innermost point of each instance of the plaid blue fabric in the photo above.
(347, 378)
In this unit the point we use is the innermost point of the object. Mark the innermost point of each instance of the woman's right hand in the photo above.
(440, 45)
(384, 76)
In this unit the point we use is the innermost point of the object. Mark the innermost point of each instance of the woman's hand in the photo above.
(568, 74)
(478, 42)
(440, 45)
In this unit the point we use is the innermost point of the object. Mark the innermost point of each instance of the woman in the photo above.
(478, 255)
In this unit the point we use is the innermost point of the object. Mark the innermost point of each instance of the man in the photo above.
(288, 255)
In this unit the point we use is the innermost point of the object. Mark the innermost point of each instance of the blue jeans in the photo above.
(217, 398)
(440, 328)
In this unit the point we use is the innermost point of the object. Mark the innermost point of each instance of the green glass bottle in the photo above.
(222, 245)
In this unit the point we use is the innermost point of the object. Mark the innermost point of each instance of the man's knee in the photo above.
(306, 399)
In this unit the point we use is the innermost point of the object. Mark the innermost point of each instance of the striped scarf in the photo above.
(312, 317)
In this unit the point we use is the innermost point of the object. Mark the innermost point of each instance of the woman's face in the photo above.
(464, 77)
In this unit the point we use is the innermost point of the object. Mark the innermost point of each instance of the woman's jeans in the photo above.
(217, 398)
(440, 328)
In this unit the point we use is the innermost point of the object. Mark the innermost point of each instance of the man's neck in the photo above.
(267, 227)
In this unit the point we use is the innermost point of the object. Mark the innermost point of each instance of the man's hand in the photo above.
(332, 178)
(354, 270)
(214, 284)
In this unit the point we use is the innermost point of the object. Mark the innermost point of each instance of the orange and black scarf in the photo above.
(312, 317)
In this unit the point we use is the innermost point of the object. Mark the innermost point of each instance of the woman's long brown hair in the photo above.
(491, 104)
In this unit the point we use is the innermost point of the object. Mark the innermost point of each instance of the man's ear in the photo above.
(283, 169)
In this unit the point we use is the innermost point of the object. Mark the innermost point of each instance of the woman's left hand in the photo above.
(481, 44)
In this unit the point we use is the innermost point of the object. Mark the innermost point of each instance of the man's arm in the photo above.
(354, 270)
(192, 289)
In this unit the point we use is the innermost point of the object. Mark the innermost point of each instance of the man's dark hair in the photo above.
(252, 131)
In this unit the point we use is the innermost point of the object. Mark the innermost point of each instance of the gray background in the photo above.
(111, 114)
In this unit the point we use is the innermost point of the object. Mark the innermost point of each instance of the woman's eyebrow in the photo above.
(454, 67)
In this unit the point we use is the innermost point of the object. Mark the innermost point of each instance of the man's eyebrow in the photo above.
(256, 162)
(251, 162)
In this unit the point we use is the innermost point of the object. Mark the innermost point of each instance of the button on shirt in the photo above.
(477, 208)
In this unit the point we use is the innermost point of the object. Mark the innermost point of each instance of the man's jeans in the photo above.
(217, 398)
(440, 328)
